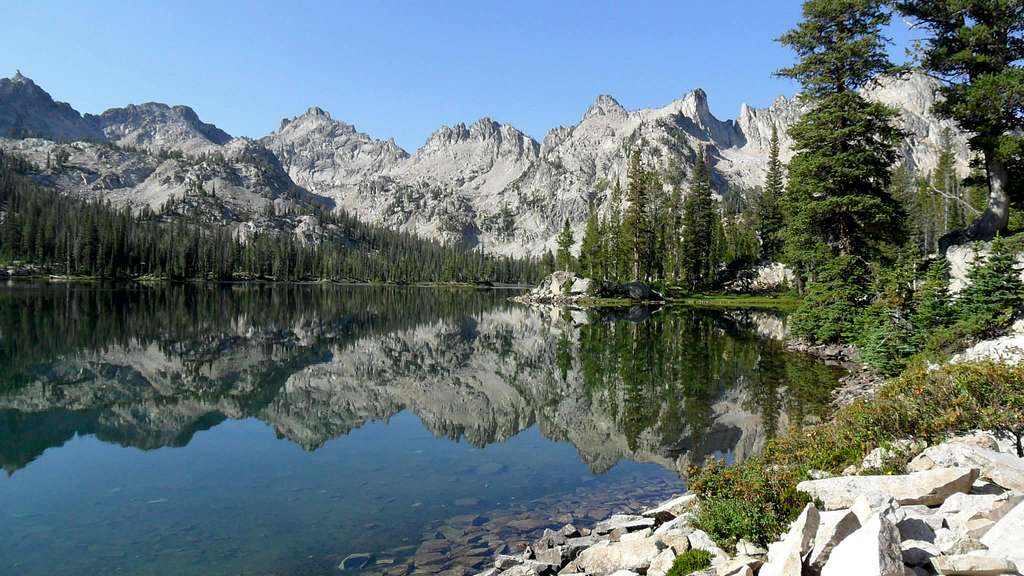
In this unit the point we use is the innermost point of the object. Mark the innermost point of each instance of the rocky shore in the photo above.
(959, 510)
(567, 289)
(860, 381)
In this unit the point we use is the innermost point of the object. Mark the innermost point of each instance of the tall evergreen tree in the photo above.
(840, 212)
(770, 221)
(591, 254)
(614, 244)
(977, 47)
(637, 227)
(563, 258)
(837, 200)
(699, 232)
(673, 245)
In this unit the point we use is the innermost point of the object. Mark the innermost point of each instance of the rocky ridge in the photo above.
(487, 184)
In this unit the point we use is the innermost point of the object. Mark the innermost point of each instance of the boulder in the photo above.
(676, 539)
(918, 522)
(973, 565)
(662, 563)
(900, 449)
(918, 552)
(872, 550)
(833, 528)
(1006, 537)
(581, 286)
(930, 487)
(626, 522)
(700, 540)
(1006, 470)
(973, 514)
(785, 558)
(672, 509)
(606, 557)
(951, 542)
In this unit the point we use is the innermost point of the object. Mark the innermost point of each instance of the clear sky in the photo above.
(400, 68)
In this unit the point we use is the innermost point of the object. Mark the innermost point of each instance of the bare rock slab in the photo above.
(785, 558)
(873, 550)
(1004, 469)
(972, 565)
(1006, 537)
(833, 528)
(606, 557)
(930, 487)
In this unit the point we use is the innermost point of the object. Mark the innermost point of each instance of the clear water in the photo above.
(277, 430)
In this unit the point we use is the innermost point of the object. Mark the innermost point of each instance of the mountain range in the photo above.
(487, 184)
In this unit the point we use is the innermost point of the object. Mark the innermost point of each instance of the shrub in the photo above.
(689, 562)
(750, 501)
(923, 404)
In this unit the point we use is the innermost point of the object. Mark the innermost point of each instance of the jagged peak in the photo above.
(316, 111)
(604, 105)
(20, 78)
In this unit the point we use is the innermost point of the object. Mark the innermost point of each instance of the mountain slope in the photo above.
(485, 185)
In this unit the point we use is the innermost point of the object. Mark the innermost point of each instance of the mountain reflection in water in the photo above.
(151, 367)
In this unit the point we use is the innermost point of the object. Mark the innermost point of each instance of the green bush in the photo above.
(751, 502)
(689, 562)
(757, 499)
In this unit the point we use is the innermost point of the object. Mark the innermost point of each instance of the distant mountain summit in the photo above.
(487, 184)
(159, 126)
(26, 110)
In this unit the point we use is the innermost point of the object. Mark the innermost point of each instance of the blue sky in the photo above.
(400, 68)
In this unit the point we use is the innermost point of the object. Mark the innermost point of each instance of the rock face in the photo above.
(931, 487)
(156, 126)
(487, 184)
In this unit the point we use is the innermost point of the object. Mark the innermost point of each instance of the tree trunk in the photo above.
(996, 216)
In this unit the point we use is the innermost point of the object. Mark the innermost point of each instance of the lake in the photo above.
(272, 430)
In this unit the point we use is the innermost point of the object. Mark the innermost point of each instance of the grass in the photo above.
(757, 499)
(775, 302)
(689, 562)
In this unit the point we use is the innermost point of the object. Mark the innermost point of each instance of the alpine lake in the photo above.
(326, 430)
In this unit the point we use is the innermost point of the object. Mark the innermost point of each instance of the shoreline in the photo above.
(961, 505)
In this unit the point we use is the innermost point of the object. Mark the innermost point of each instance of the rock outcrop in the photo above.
(564, 288)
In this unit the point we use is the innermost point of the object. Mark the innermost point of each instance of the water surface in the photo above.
(278, 429)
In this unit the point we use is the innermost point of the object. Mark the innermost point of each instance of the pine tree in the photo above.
(591, 254)
(976, 47)
(673, 243)
(995, 290)
(563, 258)
(840, 213)
(699, 229)
(615, 245)
(932, 303)
(770, 221)
(837, 200)
(946, 183)
(637, 228)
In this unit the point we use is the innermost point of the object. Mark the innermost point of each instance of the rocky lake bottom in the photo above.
(328, 430)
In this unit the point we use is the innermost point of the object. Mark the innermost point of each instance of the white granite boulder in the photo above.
(872, 550)
(930, 487)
